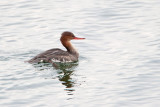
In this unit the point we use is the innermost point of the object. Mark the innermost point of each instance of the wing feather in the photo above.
(54, 55)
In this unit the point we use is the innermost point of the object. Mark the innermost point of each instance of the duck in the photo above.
(59, 55)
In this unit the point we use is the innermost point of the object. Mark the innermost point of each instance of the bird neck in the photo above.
(69, 47)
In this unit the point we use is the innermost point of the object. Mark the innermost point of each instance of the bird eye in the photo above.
(73, 36)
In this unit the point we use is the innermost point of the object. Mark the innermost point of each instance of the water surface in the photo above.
(119, 60)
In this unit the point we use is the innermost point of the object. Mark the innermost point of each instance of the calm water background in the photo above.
(119, 63)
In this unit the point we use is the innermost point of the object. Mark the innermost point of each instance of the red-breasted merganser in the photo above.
(58, 55)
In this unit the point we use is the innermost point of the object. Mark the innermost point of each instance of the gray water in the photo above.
(119, 64)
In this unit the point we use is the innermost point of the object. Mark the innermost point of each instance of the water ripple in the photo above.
(118, 64)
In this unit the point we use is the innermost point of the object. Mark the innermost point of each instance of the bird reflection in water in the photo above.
(64, 71)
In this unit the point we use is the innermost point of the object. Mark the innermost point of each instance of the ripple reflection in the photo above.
(64, 73)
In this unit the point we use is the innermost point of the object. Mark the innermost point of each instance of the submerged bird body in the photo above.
(58, 55)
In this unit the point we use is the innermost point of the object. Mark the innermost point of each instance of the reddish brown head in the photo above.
(67, 36)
